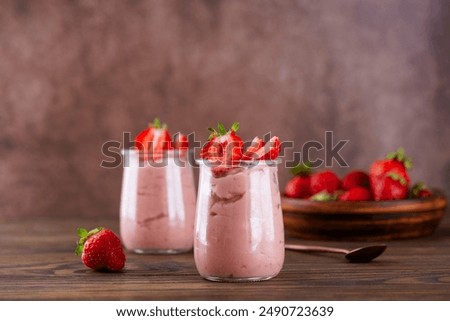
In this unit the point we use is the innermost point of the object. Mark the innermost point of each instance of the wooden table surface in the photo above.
(37, 262)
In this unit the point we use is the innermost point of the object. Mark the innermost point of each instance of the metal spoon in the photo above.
(359, 255)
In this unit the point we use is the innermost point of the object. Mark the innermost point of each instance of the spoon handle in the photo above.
(314, 248)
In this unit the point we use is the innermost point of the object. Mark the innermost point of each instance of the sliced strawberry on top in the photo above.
(155, 139)
(223, 146)
(256, 144)
(233, 146)
(212, 151)
(180, 141)
(274, 148)
(144, 138)
(267, 151)
(161, 140)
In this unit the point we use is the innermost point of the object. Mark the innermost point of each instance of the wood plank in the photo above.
(37, 262)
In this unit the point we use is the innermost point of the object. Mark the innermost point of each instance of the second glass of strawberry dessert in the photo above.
(158, 193)
(239, 233)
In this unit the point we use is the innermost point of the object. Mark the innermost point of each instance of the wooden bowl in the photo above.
(363, 221)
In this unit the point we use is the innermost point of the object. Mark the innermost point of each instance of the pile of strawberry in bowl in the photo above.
(387, 179)
(380, 204)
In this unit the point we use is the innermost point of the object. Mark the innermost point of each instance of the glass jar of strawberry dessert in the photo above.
(239, 233)
(158, 194)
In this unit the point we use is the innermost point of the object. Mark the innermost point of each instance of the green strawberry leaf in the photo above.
(156, 123)
(213, 133)
(400, 155)
(221, 129)
(408, 163)
(323, 196)
(84, 235)
(397, 177)
(417, 188)
(82, 232)
(303, 169)
(79, 250)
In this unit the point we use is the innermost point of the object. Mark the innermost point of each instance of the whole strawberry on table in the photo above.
(100, 249)
(387, 179)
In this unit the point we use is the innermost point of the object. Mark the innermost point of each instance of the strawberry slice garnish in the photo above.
(255, 146)
(155, 139)
(225, 149)
(180, 141)
(260, 150)
(273, 146)
(223, 146)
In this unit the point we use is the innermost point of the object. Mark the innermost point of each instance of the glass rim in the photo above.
(135, 150)
(240, 163)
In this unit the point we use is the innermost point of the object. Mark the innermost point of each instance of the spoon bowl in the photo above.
(360, 255)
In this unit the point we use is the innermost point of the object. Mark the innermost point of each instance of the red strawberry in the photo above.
(390, 186)
(420, 190)
(389, 178)
(354, 179)
(100, 249)
(260, 150)
(394, 160)
(180, 141)
(223, 146)
(272, 148)
(324, 181)
(300, 185)
(154, 139)
(250, 153)
(357, 193)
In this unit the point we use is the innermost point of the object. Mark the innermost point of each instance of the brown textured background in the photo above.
(74, 74)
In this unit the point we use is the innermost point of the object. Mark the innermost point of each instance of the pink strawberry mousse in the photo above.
(157, 207)
(239, 226)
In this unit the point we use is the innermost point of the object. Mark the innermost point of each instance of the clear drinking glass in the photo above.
(239, 232)
(158, 198)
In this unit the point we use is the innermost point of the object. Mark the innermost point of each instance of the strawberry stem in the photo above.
(84, 235)
(157, 124)
(400, 155)
(417, 188)
(221, 130)
(303, 169)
